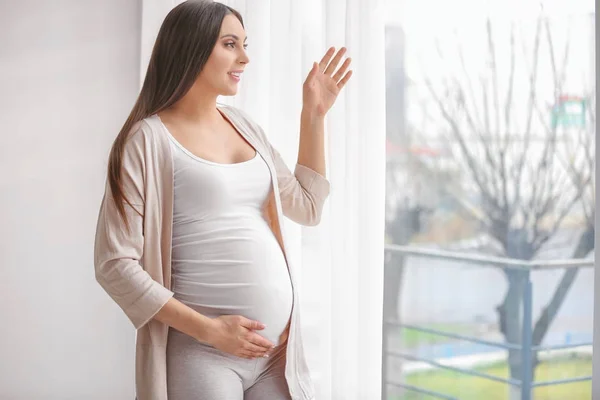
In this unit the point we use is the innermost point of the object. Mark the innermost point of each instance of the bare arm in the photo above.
(231, 333)
(311, 152)
(185, 319)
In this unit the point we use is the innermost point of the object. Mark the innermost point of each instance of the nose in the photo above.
(244, 58)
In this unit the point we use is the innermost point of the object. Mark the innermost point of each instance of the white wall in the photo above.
(69, 74)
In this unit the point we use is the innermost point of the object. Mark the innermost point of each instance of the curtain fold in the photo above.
(341, 260)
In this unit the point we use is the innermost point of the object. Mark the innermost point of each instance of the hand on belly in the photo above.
(266, 299)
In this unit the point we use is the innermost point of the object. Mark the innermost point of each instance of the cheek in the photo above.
(210, 72)
(219, 61)
(216, 66)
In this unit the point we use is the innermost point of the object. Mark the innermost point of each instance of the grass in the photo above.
(466, 387)
(412, 338)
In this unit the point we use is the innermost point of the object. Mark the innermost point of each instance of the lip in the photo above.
(235, 78)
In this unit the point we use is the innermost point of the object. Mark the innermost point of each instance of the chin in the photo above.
(229, 92)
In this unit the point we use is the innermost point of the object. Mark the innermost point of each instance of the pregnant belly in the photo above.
(242, 273)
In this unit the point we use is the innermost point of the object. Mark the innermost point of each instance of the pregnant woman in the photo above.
(189, 241)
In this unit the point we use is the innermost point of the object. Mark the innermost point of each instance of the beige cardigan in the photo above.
(135, 268)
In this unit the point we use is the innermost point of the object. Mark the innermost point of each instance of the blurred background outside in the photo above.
(490, 157)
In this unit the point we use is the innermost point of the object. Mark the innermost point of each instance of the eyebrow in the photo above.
(233, 36)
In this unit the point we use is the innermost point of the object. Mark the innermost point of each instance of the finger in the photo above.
(252, 348)
(313, 72)
(250, 324)
(252, 355)
(261, 341)
(325, 60)
(261, 354)
(246, 355)
(342, 69)
(344, 80)
(336, 60)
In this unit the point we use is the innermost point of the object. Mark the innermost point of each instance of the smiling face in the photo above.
(222, 71)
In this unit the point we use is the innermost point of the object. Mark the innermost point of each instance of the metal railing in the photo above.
(526, 348)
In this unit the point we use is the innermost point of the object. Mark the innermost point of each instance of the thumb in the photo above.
(313, 72)
(250, 324)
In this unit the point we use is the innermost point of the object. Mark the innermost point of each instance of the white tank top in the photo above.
(226, 259)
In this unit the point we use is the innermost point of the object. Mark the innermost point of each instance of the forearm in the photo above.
(311, 151)
(185, 319)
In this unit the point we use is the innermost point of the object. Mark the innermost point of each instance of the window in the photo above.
(490, 199)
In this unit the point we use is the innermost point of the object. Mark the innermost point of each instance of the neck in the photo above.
(197, 106)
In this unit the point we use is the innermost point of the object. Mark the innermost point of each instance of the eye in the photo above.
(232, 45)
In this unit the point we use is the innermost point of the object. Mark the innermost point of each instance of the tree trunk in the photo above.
(510, 322)
(510, 311)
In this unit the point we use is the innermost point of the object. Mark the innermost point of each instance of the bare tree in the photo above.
(512, 156)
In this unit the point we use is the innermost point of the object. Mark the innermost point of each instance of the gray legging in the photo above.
(196, 371)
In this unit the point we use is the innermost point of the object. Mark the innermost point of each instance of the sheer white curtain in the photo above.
(341, 260)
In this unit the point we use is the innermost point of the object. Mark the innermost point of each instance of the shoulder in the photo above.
(141, 142)
(143, 134)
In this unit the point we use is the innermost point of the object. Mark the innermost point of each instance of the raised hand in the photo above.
(322, 85)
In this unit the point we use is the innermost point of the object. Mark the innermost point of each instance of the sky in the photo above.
(425, 21)
(442, 12)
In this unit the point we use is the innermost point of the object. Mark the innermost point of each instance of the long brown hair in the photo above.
(184, 43)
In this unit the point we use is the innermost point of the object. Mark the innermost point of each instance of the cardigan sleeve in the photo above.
(118, 252)
(303, 193)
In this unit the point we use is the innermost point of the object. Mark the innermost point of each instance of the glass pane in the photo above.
(490, 199)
